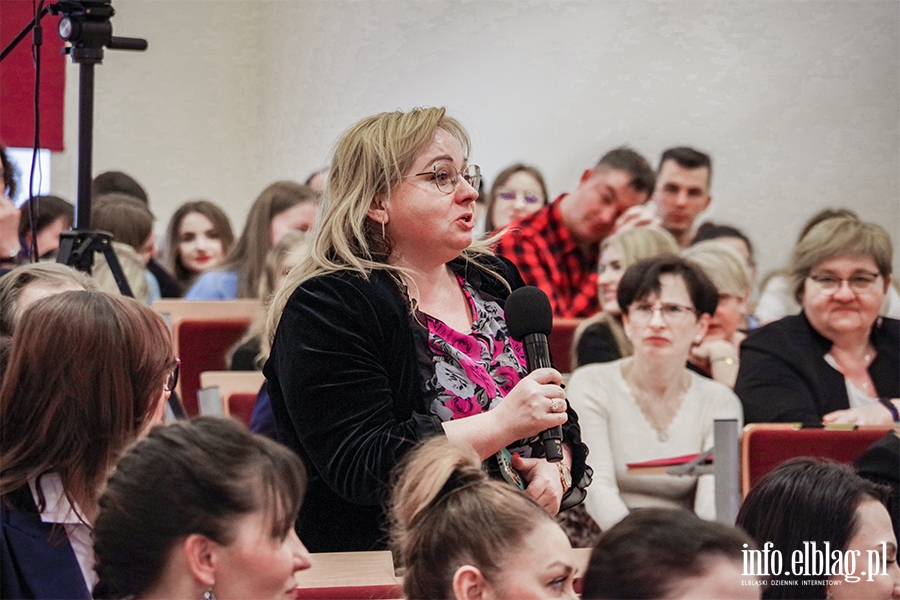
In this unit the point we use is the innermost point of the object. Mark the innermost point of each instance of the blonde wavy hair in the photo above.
(723, 265)
(369, 160)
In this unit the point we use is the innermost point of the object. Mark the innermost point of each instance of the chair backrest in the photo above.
(560, 342)
(202, 346)
(174, 310)
(238, 390)
(233, 382)
(392, 591)
(338, 575)
(202, 333)
(240, 406)
(764, 446)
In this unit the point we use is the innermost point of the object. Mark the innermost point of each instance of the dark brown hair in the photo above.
(10, 174)
(50, 208)
(85, 376)
(117, 182)
(643, 177)
(221, 228)
(642, 279)
(806, 500)
(192, 477)
(652, 549)
(688, 158)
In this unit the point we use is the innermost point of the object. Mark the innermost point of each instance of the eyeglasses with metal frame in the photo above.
(446, 176)
(670, 313)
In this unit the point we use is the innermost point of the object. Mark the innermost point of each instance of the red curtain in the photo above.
(17, 80)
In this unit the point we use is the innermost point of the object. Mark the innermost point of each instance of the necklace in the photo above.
(657, 414)
(858, 374)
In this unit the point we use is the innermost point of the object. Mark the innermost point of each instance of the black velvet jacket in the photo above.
(348, 397)
(784, 377)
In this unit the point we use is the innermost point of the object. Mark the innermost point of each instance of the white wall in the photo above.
(796, 101)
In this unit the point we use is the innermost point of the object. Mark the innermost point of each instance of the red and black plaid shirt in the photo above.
(548, 258)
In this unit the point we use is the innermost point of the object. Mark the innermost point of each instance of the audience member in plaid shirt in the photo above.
(556, 248)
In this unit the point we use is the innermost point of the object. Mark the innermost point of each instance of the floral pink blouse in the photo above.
(471, 372)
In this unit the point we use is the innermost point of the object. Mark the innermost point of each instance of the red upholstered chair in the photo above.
(202, 345)
(764, 446)
(560, 342)
(202, 333)
(240, 406)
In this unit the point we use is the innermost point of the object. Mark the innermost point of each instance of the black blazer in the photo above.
(36, 559)
(784, 377)
(347, 396)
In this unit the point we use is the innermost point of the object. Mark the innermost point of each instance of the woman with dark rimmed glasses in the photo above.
(835, 362)
(391, 330)
(88, 374)
(649, 406)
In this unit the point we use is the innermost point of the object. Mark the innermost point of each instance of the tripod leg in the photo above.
(116, 269)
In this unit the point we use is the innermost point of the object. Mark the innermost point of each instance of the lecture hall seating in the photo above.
(202, 333)
(764, 446)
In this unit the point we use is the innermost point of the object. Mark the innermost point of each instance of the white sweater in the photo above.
(617, 432)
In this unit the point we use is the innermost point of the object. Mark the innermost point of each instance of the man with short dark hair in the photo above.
(556, 248)
(682, 191)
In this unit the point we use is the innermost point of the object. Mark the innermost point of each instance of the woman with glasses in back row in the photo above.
(835, 362)
(518, 191)
(649, 406)
(391, 330)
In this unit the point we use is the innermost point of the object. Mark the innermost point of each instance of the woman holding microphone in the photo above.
(392, 331)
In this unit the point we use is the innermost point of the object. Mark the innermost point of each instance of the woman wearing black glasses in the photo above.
(391, 330)
(649, 406)
(88, 374)
(835, 362)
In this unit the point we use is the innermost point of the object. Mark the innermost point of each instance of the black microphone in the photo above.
(529, 320)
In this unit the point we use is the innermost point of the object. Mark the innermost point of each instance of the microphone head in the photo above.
(527, 312)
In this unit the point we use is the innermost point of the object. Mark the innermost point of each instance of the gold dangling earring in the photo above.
(383, 236)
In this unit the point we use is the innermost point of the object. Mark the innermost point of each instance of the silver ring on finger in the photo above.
(554, 405)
